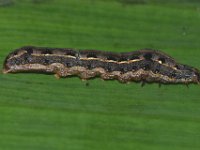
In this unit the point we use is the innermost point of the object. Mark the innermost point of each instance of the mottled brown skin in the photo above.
(143, 65)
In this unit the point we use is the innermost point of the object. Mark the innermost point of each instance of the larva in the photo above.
(143, 65)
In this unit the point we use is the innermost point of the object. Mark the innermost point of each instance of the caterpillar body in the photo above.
(143, 65)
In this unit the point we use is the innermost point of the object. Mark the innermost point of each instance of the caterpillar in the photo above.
(143, 65)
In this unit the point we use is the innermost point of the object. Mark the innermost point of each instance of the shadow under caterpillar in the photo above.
(143, 65)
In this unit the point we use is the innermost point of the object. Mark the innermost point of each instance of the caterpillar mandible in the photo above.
(143, 65)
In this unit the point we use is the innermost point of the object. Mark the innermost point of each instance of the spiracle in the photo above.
(144, 65)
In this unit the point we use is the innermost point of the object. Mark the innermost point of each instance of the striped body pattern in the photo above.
(143, 65)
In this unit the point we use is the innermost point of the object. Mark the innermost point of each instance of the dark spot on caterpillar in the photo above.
(147, 56)
(123, 59)
(185, 67)
(26, 58)
(15, 61)
(108, 68)
(29, 50)
(146, 67)
(15, 53)
(122, 68)
(125, 68)
(162, 60)
(112, 67)
(68, 64)
(179, 67)
(134, 57)
(156, 68)
(173, 74)
(71, 53)
(47, 51)
(134, 67)
(91, 55)
(110, 57)
(146, 64)
(46, 61)
(89, 66)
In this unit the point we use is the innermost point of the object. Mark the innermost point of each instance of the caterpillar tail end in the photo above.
(5, 71)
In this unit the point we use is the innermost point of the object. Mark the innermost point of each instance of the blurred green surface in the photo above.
(40, 112)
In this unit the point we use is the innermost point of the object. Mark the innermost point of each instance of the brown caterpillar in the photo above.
(143, 65)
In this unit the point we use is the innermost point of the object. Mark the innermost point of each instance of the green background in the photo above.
(40, 112)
